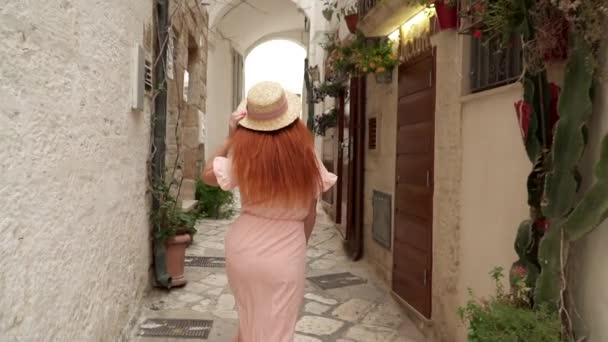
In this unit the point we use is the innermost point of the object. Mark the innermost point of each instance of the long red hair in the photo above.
(277, 168)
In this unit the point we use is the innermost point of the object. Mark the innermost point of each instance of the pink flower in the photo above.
(477, 34)
(519, 271)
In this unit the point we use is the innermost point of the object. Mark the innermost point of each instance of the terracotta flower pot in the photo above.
(446, 15)
(351, 22)
(176, 254)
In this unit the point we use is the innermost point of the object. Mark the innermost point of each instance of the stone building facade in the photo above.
(75, 238)
(74, 230)
(187, 93)
(479, 175)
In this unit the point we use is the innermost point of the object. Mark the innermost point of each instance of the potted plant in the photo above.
(351, 17)
(447, 13)
(174, 228)
(325, 121)
(378, 58)
(329, 9)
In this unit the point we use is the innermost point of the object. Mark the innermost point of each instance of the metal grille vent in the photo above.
(372, 144)
(148, 74)
(181, 328)
(196, 261)
(382, 218)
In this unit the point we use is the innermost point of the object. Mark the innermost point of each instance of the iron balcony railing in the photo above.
(494, 66)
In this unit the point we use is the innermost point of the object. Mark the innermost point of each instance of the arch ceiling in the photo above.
(246, 22)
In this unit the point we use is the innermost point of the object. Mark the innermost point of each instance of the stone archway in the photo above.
(236, 27)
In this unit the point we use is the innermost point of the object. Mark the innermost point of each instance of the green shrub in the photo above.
(509, 316)
(214, 202)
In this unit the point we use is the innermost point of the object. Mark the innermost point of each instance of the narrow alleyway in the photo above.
(363, 312)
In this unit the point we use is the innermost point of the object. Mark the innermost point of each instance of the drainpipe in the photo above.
(159, 123)
(309, 96)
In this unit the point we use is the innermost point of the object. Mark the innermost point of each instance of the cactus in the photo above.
(562, 182)
(593, 207)
(524, 240)
(575, 109)
(548, 286)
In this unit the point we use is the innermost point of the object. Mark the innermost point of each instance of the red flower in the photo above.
(542, 225)
(519, 271)
(479, 7)
(523, 117)
(477, 34)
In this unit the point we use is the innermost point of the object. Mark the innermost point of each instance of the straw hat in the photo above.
(270, 107)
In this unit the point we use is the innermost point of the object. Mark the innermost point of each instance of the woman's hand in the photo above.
(235, 118)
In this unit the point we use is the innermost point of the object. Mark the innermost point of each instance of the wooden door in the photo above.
(414, 184)
(350, 166)
(343, 165)
(356, 175)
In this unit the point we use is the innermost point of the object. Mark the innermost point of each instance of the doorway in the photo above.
(413, 236)
(350, 166)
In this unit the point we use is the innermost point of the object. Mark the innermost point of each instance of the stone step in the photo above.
(189, 205)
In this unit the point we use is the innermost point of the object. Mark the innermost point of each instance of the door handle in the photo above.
(428, 178)
(424, 280)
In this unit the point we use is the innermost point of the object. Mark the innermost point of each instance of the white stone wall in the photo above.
(74, 234)
(219, 94)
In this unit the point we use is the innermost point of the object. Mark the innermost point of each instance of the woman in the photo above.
(270, 156)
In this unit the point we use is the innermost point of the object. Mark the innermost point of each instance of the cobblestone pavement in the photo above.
(357, 313)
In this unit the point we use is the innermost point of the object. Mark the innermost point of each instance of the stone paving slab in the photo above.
(359, 313)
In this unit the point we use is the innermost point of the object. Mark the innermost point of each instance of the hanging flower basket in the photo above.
(384, 77)
(351, 22)
(328, 13)
(447, 15)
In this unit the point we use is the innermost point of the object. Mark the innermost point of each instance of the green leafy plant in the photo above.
(494, 19)
(376, 57)
(170, 219)
(362, 56)
(213, 202)
(329, 88)
(324, 121)
(507, 316)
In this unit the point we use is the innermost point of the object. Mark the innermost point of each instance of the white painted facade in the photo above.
(74, 232)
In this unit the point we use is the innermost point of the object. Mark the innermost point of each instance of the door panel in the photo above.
(413, 236)
(415, 170)
(408, 114)
(419, 77)
(416, 138)
(414, 201)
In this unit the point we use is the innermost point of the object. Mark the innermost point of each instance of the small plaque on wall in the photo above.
(382, 218)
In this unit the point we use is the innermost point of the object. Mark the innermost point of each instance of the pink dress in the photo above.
(266, 264)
